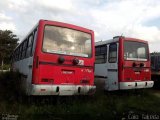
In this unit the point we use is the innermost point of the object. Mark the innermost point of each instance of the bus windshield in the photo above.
(135, 51)
(66, 41)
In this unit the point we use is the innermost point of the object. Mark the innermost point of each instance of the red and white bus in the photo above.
(56, 59)
(123, 63)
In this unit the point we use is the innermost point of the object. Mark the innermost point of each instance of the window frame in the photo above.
(109, 54)
(70, 29)
(29, 45)
(104, 54)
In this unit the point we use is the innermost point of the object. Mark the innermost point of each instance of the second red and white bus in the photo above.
(56, 59)
(123, 63)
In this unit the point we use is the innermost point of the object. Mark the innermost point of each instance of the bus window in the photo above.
(101, 54)
(66, 41)
(20, 51)
(141, 52)
(29, 48)
(112, 53)
(34, 40)
(24, 49)
(135, 51)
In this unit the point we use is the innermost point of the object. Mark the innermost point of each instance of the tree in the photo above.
(8, 42)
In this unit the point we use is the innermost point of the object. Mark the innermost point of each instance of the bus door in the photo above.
(112, 67)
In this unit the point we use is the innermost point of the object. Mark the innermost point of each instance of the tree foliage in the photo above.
(8, 42)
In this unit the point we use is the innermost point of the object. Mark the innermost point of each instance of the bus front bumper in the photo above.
(136, 85)
(62, 90)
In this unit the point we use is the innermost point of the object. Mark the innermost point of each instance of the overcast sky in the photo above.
(108, 18)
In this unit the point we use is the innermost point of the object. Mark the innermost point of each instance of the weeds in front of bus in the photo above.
(101, 105)
(10, 91)
(9, 85)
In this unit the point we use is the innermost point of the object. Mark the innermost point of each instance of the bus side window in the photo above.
(29, 46)
(17, 54)
(24, 49)
(101, 54)
(20, 52)
(34, 41)
(112, 53)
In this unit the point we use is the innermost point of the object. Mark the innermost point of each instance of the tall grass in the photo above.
(102, 105)
(9, 85)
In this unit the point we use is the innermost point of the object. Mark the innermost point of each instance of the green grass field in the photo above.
(102, 105)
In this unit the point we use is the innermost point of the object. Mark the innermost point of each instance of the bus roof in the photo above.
(56, 23)
(155, 54)
(106, 41)
(116, 39)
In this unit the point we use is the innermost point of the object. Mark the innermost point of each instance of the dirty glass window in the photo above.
(30, 43)
(112, 53)
(101, 54)
(135, 51)
(66, 41)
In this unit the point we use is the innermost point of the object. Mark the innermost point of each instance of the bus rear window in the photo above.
(66, 41)
(135, 51)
